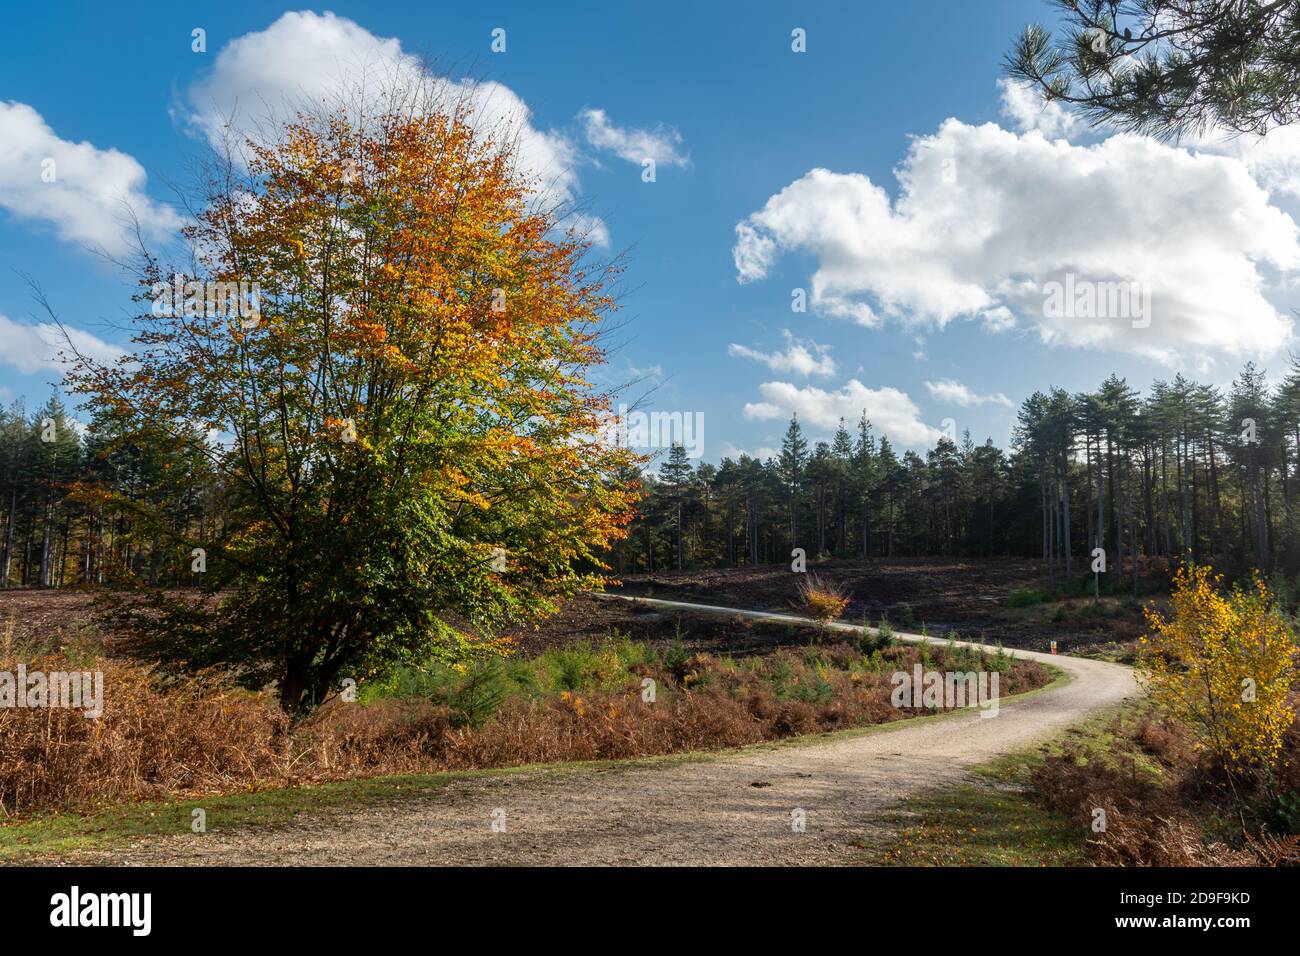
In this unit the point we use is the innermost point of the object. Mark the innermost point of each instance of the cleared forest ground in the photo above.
(976, 597)
(973, 596)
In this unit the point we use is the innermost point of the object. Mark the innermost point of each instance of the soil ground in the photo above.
(968, 596)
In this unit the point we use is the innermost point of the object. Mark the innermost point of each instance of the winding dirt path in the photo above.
(735, 808)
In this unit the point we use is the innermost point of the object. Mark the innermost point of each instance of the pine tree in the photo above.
(793, 461)
(675, 473)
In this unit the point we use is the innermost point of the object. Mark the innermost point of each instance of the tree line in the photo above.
(60, 523)
(1185, 472)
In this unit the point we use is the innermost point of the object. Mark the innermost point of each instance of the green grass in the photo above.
(981, 826)
(64, 832)
(58, 833)
(475, 692)
(1027, 597)
(994, 822)
(1113, 652)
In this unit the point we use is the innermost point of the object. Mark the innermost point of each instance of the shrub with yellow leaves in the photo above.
(824, 601)
(1223, 662)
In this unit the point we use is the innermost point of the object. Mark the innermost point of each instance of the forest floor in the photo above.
(45, 615)
(988, 600)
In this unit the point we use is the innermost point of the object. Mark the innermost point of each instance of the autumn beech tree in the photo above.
(397, 400)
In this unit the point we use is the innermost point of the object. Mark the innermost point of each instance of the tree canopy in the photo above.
(400, 416)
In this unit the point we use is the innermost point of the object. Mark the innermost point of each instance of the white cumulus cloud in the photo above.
(1026, 108)
(954, 392)
(87, 194)
(31, 348)
(1273, 159)
(307, 59)
(762, 453)
(800, 357)
(891, 411)
(986, 219)
(662, 144)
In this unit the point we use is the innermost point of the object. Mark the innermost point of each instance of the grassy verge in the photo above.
(115, 826)
(995, 822)
(47, 835)
(54, 834)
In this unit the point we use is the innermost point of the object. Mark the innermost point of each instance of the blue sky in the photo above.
(926, 300)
